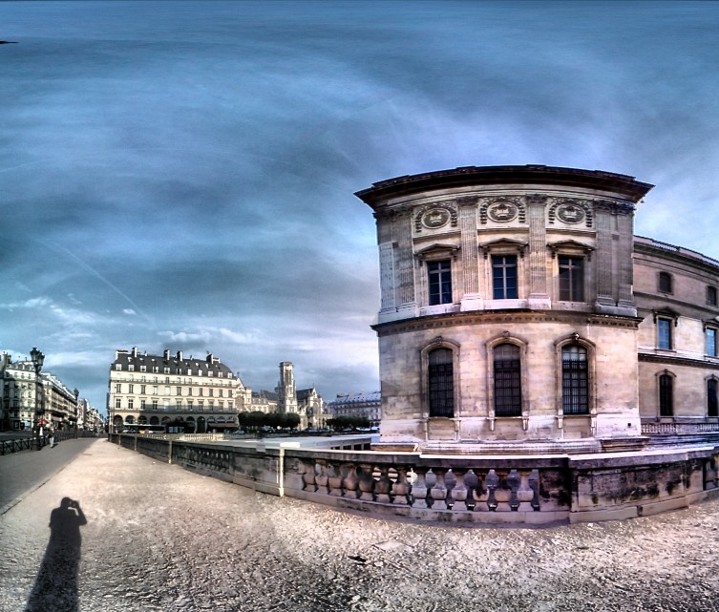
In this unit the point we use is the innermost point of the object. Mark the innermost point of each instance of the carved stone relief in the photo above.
(571, 212)
(502, 210)
(435, 217)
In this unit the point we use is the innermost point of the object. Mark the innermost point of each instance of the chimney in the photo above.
(179, 355)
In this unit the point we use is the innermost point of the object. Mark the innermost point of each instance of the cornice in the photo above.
(675, 360)
(510, 317)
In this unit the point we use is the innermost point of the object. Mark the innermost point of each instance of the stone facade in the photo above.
(507, 308)
(166, 391)
(367, 405)
(32, 397)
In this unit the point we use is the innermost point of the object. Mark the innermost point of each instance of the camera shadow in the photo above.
(56, 585)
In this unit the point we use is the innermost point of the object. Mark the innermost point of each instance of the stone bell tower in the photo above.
(286, 391)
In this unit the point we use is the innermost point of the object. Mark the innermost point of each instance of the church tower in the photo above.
(286, 391)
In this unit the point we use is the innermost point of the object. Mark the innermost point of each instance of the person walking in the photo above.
(51, 435)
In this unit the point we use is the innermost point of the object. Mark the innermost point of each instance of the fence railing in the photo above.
(677, 429)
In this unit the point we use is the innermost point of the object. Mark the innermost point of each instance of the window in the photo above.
(666, 395)
(143, 389)
(575, 380)
(712, 296)
(665, 282)
(571, 279)
(440, 282)
(507, 381)
(154, 404)
(441, 383)
(118, 387)
(712, 402)
(130, 404)
(142, 404)
(504, 277)
(117, 403)
(710, 340)
(178, 391)
(130, 388)
(664, 334)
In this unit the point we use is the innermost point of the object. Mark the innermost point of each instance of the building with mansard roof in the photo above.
(519, 311)
(368, 405)
(172, 392)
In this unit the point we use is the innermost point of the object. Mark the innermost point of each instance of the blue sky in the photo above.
(181, 174)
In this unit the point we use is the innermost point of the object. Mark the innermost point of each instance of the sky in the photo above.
(180, 175)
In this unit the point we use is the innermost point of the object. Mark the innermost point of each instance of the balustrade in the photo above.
(436, 488)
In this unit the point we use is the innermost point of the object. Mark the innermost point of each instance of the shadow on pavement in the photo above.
(56, 585)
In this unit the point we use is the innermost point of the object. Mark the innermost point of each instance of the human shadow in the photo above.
(56, 585)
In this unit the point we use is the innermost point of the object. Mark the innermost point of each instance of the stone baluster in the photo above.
(450, 480)
(513, 482)
(351, 481)
(366, 482)
(492, 482)
(419, 490)
(383, 487)
(334, 480)
(321, 478)
(534, 486)
(401, 488)
(459, 494)
(438, 492)
(474, 489)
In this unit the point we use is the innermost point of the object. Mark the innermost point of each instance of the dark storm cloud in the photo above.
(180, 174)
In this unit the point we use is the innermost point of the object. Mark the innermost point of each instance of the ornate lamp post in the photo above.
(38, 359)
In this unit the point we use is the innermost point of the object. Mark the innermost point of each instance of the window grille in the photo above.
(507, 381)
(575, 380)
(441, 383)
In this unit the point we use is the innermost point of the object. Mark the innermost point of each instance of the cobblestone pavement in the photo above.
(158, 537)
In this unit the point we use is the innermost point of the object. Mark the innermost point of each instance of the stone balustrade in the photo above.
(454, 488)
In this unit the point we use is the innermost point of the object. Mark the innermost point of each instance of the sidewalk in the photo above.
(159, 538)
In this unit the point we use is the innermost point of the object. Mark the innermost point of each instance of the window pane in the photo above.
(664, 331)
(711, 342)
(665, 282)
(666, 395)
(712, 402)
(712, 296)
(507, 381)
(504, 277)
(571, 279)
(575, 380)
(440, 282)
(441, 383)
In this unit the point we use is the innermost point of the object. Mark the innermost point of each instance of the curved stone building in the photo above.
(518, 310)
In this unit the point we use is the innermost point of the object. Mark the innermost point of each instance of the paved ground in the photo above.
(160, 538)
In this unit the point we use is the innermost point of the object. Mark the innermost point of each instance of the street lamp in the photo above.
(38, 359)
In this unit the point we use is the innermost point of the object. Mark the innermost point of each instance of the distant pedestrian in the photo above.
(51, 435)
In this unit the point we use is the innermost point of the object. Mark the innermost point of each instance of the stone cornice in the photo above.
(510, 317)
(466, 176)
(676, 360)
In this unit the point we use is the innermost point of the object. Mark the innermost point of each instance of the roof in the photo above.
(358, 398)
(468, 176)
(176, 363)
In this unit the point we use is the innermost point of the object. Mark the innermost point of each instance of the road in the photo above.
(24, 471)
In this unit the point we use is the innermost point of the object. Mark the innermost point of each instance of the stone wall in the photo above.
(517, 490)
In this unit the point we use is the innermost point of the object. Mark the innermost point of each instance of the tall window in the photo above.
(441, 383)
(666, 395)
(712, 401)
(440, 282)
(571, 279)
(504, 277)
(665, 282)
(710, 338)
(507, 381)
(664, 334)
(575, 380)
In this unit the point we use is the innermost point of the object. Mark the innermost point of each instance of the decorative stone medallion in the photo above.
(502, 212)
(570, 213)
(436, 218)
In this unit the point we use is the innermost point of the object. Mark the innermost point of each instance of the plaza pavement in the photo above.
(158, 537)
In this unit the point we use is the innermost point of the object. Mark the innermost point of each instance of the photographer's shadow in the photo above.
(56, 585)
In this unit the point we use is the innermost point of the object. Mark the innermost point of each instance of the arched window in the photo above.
(712, 402)
(507, 380)
(440, 377)
(666, 395)
(575, 380)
